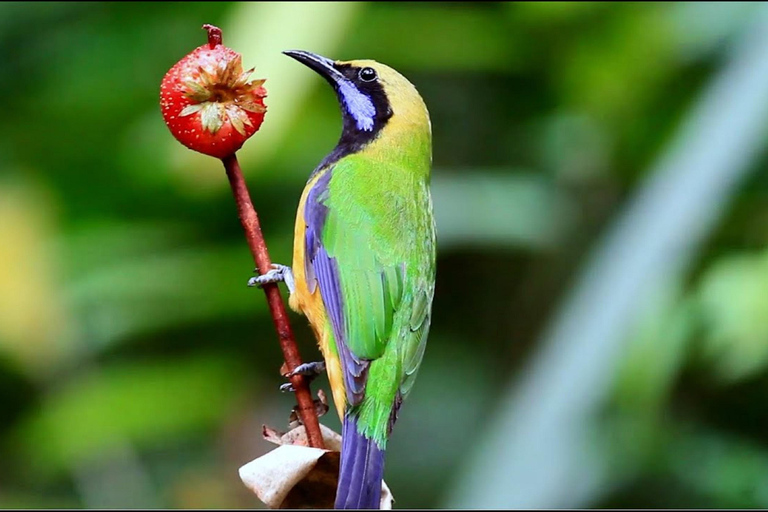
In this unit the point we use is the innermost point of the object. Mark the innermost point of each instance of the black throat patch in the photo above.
(365, 110)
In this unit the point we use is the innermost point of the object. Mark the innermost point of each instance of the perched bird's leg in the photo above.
(279, 273)
(308, 370)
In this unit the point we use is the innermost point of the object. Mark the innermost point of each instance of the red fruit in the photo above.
(207, 101)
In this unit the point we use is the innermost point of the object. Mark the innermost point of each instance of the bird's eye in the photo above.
(367, 74)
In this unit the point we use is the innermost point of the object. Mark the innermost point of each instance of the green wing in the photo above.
(375, 267)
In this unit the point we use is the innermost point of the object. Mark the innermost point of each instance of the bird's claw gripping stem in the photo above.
(279, 273)
(308, 370)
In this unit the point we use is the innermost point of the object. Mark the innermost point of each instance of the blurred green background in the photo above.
(600, 328)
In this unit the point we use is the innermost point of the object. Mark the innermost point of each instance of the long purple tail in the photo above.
(362, 469)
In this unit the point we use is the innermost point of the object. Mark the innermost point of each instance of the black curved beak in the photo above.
(321, 65)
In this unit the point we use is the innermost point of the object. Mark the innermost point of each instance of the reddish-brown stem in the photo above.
(250, 222)
(214, 35)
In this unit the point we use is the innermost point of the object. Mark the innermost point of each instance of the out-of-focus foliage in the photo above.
(136, 368)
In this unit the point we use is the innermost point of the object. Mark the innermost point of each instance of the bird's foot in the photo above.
(308, 370)
(321, 408)
(279, 273)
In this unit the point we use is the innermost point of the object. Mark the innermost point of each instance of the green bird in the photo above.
(363, 267)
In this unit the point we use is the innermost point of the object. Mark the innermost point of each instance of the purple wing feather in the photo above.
(322, 270)
(315, 213)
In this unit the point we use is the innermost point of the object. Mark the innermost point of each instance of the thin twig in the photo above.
(250, 222)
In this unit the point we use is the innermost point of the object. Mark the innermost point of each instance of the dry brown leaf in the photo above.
(295, 475)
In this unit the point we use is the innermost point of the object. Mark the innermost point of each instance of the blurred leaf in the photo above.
(613, 71)
(475, 207)
(18, 500)
(207, 487)
(574, 146)
(442, 36)
(727, 471)
(18, 14)
(106, 242)
(655, 354)
(139, 295)
(651, 364)
(33, 323)
(550, 13)
(734, 303)
(147, 403)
